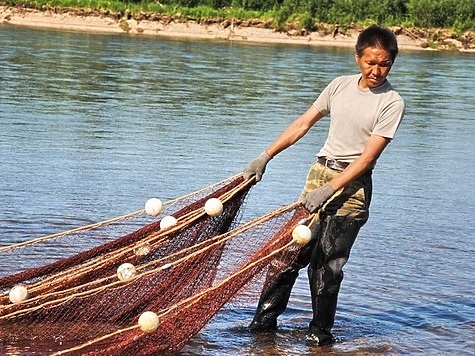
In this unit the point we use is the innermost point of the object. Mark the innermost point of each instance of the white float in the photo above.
(148, 322)
(18, 293)
(213, 207)
(126, 271)
(167, 221)
(142, 249)
(153, 206)
(301, 234)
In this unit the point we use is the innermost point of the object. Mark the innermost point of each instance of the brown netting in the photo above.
(78, 305)
(192, 222)
(244, 252)
(15, 257)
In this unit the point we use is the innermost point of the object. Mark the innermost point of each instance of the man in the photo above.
(365, 112)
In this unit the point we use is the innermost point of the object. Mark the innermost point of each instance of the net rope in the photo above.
(184, 273)
(180, 321)
(117, 219)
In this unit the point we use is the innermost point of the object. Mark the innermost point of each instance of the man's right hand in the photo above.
(257, 167)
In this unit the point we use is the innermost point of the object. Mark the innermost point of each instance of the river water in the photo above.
(93, 125)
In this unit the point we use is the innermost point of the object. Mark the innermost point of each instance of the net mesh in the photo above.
(184, 274)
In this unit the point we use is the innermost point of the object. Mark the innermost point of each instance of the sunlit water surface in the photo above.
(94, 125)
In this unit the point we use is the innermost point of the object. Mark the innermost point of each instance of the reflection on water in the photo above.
(94, 125)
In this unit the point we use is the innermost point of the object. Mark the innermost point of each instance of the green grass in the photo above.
(136, 9)
(285, 14)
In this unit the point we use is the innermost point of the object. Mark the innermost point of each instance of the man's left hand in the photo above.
(316, 198)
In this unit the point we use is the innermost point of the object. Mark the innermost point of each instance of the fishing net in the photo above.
(183, 274)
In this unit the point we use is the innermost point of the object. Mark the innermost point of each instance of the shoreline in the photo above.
(165, 26)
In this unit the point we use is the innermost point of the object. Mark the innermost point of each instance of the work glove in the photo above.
(316, 198)
(257, 167)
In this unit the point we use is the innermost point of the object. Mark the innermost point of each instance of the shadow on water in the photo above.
(360, 336)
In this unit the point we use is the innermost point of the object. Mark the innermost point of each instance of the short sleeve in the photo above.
(390, 119)
(323, 102)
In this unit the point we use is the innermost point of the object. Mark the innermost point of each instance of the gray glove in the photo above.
(316, 198)
(257, 167)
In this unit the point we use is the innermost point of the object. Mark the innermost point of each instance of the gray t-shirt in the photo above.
(356, 114)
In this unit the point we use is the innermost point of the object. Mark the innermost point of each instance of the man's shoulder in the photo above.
(342, 82)
(347, 78)
(389, 90)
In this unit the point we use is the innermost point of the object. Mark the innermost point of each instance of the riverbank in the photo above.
(229, 30)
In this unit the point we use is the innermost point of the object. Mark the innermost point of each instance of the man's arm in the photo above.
(287, 138)
(373, 149)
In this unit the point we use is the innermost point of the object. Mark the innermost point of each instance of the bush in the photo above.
(442, 13)
(257, 5)
(464, 15)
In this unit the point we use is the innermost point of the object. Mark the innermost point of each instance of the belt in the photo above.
(332, 163)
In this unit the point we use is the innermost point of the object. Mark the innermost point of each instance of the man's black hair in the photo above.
(377, 36)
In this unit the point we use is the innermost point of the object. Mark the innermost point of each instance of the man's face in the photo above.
(375, 64)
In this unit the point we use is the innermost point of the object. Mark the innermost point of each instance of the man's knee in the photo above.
(335, 270)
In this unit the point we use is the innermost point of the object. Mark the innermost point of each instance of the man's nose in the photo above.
(376, 70)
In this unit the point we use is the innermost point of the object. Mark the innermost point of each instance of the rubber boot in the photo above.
(325, 274)
(273, 300)
(324, 309)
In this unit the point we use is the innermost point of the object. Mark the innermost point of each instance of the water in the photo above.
(94, 125)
